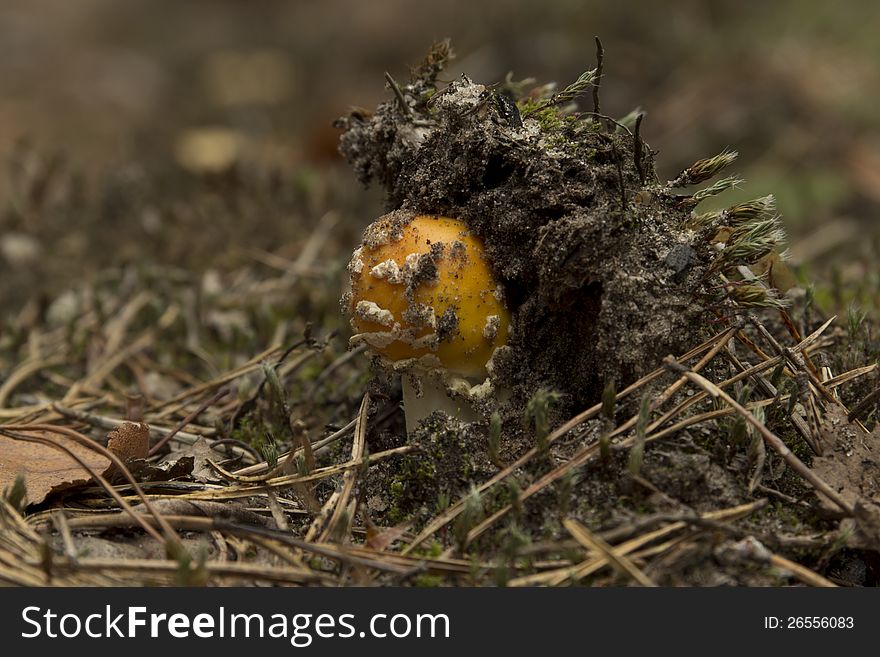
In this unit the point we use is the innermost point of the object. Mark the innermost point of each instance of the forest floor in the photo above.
(177, 387)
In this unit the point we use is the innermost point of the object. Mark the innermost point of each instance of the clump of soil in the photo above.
(574, 220)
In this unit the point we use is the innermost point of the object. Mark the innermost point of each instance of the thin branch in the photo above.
(189, 418)
(638, 148)
(600, 58)
(401, 99)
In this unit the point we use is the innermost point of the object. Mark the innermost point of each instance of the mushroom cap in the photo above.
(422, 288)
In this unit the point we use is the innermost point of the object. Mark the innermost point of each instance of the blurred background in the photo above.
(197, 135)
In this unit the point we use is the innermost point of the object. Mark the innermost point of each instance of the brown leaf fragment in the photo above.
(46, 469)
(199, 453)
(381, 538)
(144, 471)
(779, 274)
(851, 463)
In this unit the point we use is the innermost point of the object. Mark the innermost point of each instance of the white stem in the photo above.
(433, 398)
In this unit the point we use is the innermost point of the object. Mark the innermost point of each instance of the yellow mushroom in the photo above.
(424, 298)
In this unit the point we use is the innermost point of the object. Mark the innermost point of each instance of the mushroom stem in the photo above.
(433, 397)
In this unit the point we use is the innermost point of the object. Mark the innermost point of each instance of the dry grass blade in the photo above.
(350, 476)
(189, 418)
(770, 390)
(173, 405)
(831, 384)
(242, 571)
(593, 564)
(805, 575)
(796, 362)
(234, 492)
(753, 550)
(803, 347)
(592, 542)
(115, 359)
(244, 474)
(331, 550)
(110, 423)
(22, 372)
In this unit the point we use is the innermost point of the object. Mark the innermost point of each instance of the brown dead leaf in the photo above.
(779, 274)
(144, 471)
(380, 538)
(129, 441)
(851, 464)
(46, 469)
(199, 452)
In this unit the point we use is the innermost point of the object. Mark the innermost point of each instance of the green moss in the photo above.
(428, 581)
(436, 473)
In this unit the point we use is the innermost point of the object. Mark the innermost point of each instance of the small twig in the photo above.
(796, 364)
(861, 409)
(638, 148)
(592, 542)
(350, 476)
(751, 548)
(401, 99)
(782, 496)
(770, 390)
(243, 571)
(600, 58)
(110, 423)
(60, 521)
(235, 492)
(593, 564)
(620, 177)
(722, 412)
(242, 474)
(610, 119)
(189, 418)
(329, 550)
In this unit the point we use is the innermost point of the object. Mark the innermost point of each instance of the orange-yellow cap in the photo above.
(422, 288)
